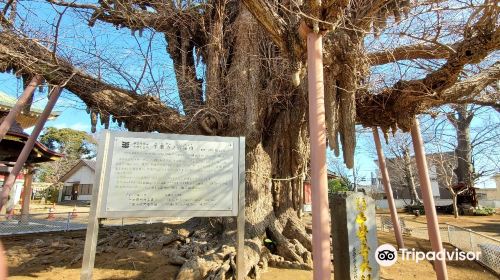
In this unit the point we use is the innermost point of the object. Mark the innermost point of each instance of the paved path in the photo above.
(15, 226)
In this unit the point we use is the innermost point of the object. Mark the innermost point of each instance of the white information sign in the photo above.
(166, 175)
(158, 174)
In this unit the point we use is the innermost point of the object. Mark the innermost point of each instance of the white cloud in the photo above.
(75, 126)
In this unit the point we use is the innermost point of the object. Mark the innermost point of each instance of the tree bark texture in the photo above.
(463, 151)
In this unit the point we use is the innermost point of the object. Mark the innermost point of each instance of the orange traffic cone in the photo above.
(51, 212)
(74, 214)
(10, 214)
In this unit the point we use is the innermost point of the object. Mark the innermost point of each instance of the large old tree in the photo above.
(240, 71)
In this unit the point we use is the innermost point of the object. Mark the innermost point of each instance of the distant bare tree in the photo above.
(442, 163)
(399, 161)
(457, 153)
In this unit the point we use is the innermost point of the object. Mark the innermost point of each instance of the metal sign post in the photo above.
(93, 223)
(166, 175)
(240, 220)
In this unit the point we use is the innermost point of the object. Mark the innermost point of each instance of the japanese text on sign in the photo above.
(170, 174)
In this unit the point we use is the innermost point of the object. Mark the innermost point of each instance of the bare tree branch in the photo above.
(147, 113)
(266, 14)
(407, 53)
(473, 86)
(398, 105)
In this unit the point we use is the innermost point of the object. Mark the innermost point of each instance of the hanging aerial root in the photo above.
(331, 112)
(104, 119)
(348, 126)
(93, 120)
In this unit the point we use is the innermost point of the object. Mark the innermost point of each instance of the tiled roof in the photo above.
(13, 142)
(90, 163)
(8, 101)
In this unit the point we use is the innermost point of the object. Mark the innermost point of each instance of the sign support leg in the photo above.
(240, 231)
(90, 247)
(93, 225)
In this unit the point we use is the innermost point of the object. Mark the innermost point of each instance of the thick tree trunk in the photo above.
(276, 133)
(271, 113)
(463, 152)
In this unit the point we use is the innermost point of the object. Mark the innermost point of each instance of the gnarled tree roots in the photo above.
(204, 252)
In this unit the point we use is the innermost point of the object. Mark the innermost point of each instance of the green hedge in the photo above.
(339, 185)
(484, 211)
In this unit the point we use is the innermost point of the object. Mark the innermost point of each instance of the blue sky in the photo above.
(73, 113)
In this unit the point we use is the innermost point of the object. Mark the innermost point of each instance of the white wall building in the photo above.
(78, 181)
(488, 191)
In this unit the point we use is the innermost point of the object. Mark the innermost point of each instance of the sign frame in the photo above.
(106, 169)
(99, 195)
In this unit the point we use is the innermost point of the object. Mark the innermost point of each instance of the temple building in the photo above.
(13, 143)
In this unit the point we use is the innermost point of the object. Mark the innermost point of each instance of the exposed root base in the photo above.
(291, 251)
(199, 247)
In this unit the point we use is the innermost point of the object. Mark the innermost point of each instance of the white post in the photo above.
(449, 238)
(470, 240)
(240, 220)
(93, 224)
(67, 221)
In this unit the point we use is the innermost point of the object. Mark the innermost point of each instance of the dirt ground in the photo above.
(37, 207)
(402, 270)
(488, 225)
(57, 256)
